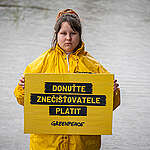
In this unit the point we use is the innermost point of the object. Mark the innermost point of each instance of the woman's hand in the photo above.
(115, 85)
(21, 83)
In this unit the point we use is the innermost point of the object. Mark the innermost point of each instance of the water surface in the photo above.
(116, 33)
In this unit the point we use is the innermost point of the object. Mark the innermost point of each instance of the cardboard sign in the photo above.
(68, 104)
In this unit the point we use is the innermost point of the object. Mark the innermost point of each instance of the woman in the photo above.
(67, 55)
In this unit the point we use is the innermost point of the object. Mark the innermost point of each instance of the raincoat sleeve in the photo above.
(116, 99)
(116, 96)
(19, 91)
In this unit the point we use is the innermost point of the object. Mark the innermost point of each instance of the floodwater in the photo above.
(115, 32)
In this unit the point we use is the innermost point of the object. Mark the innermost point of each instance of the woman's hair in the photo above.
(74, 22)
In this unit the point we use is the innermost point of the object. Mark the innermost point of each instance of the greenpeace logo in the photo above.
(67, 123)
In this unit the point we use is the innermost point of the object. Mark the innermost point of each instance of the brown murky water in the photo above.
(116, 33)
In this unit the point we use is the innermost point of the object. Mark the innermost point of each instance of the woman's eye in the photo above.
(63, 33)
(73, 33)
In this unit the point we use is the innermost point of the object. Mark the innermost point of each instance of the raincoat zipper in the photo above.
(68, 61)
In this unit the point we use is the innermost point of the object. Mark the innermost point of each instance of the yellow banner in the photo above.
(68, 104)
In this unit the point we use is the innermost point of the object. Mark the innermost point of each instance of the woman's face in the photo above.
(67, 39)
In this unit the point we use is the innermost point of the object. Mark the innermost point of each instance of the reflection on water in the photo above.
(116, 33)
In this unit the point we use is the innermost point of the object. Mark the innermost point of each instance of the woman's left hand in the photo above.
(115, 85)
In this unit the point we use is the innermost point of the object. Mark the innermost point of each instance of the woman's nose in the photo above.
(68, 36)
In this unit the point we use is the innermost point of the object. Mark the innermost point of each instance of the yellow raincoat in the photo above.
(56, 61)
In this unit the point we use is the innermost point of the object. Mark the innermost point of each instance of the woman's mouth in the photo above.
(67, 43)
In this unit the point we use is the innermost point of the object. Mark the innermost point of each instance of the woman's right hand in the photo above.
(21, 83)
